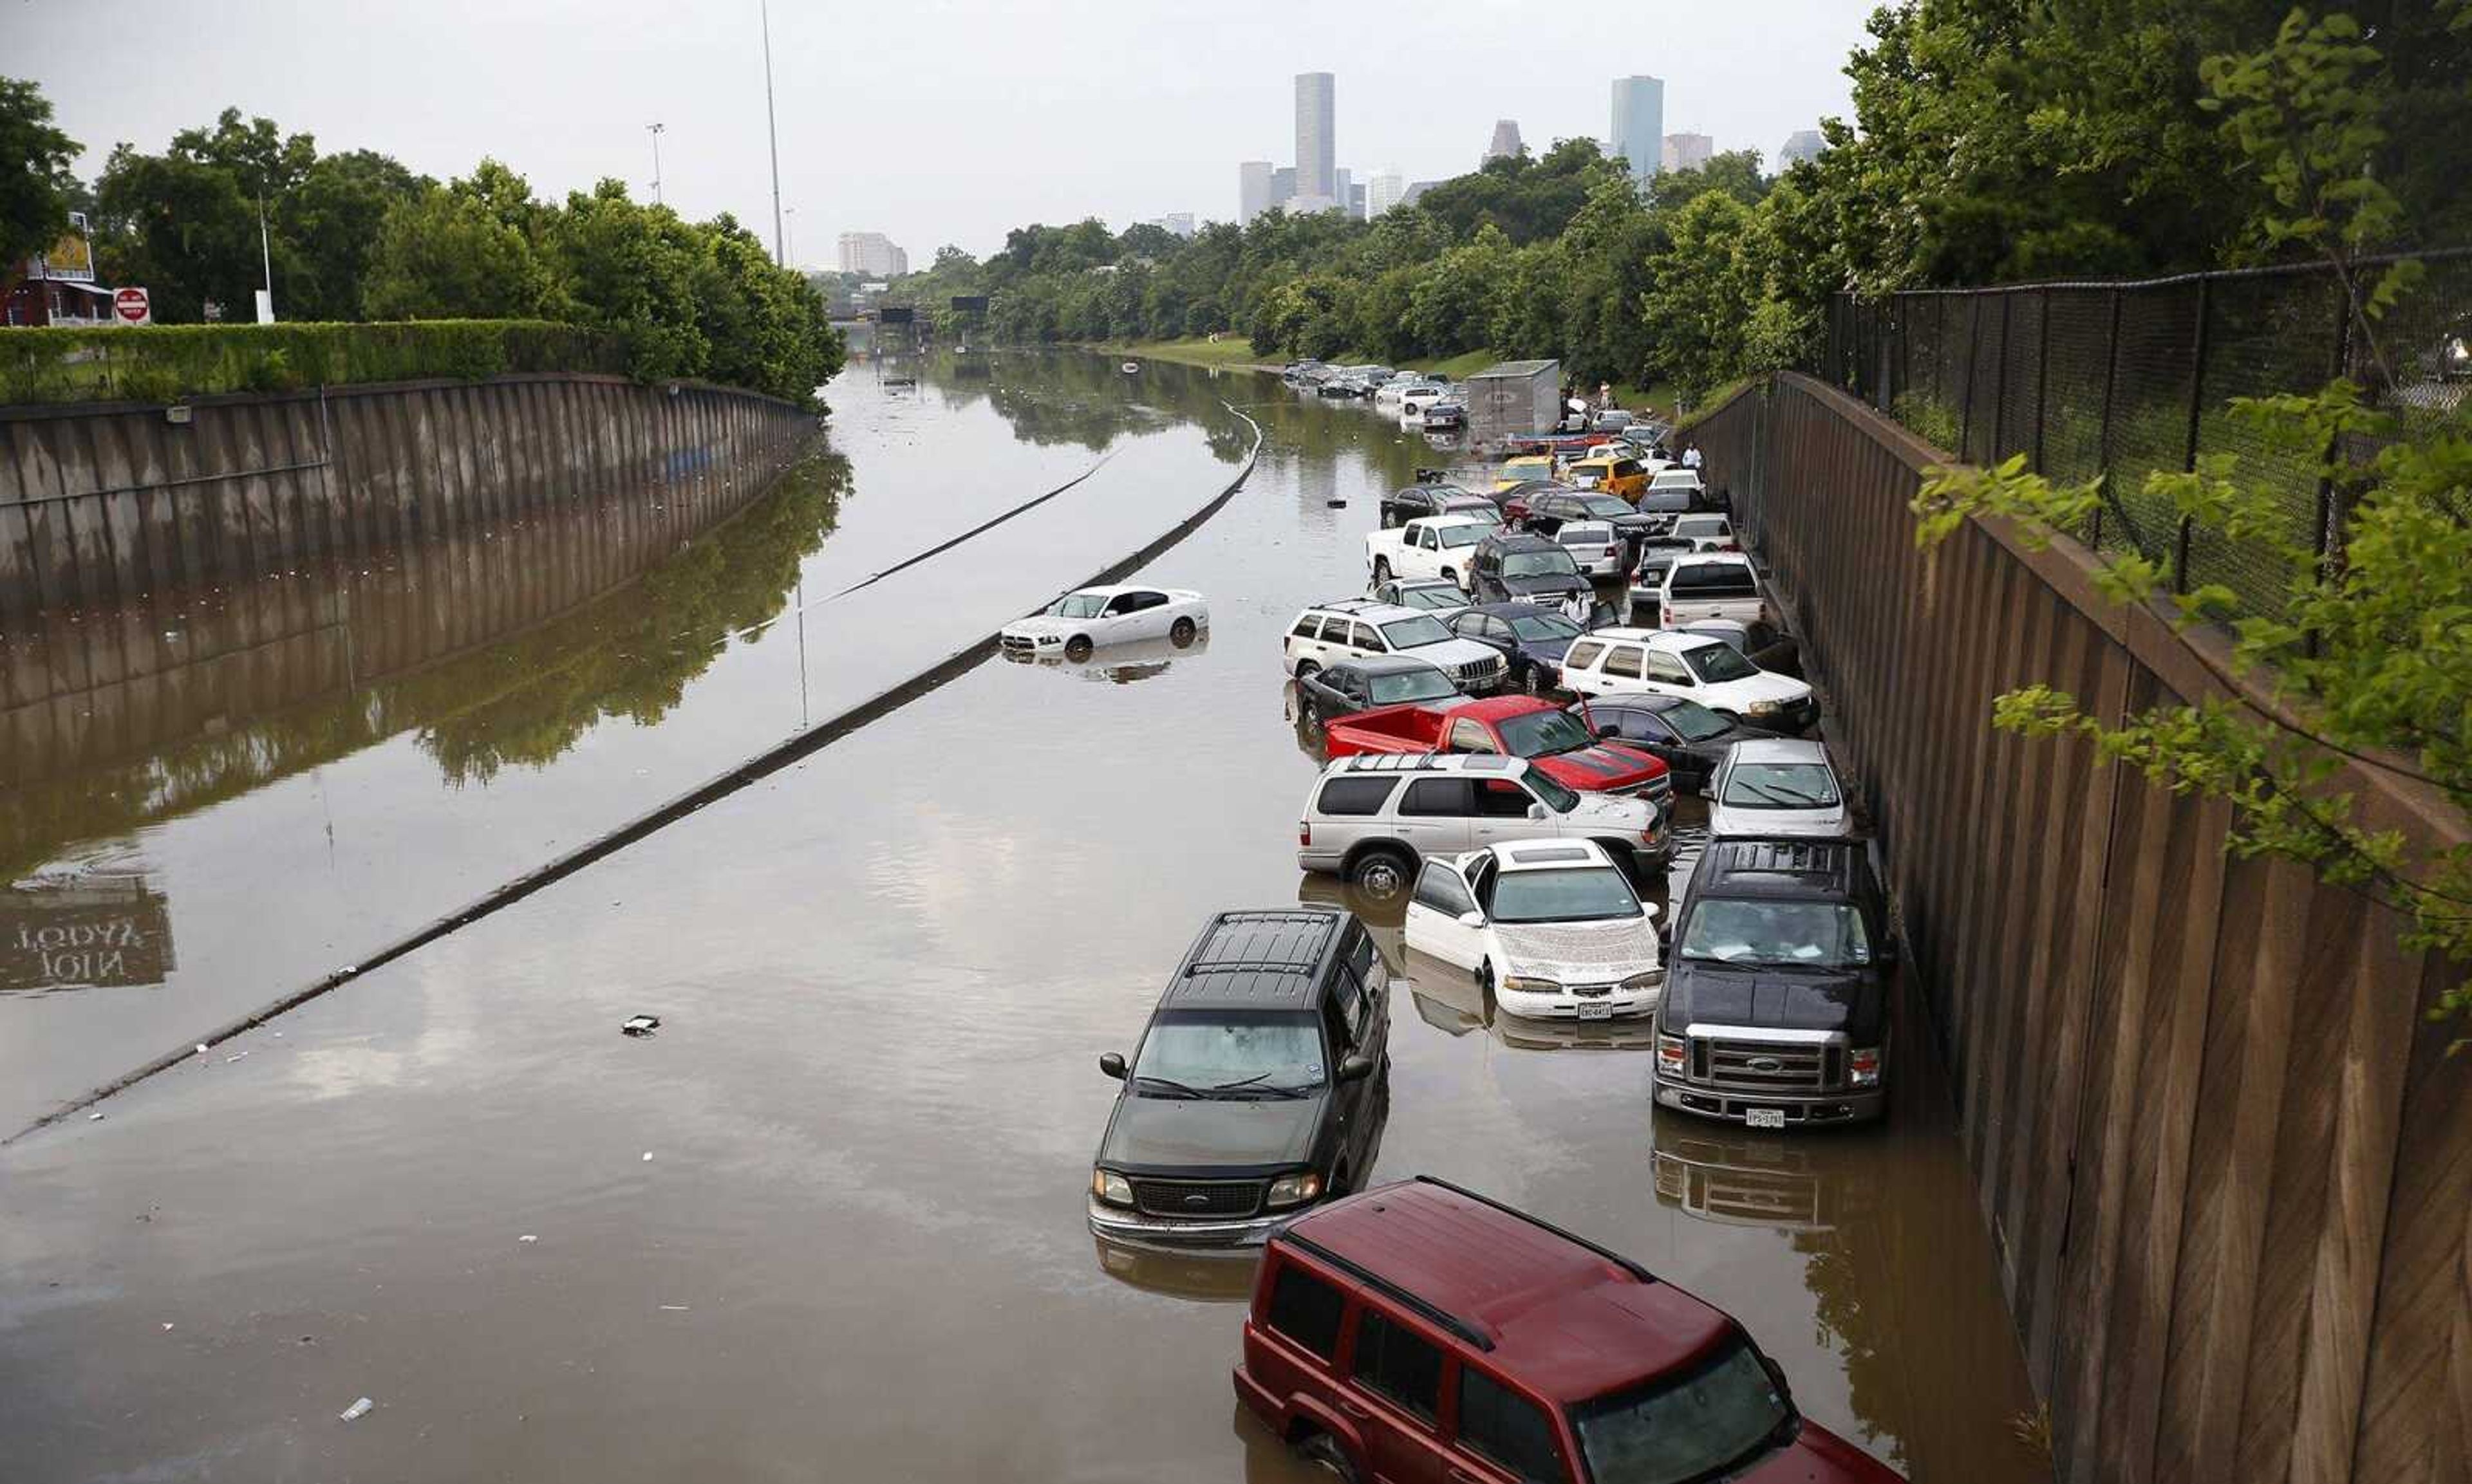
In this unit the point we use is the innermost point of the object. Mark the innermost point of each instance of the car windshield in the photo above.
(1594, 893)
(1544, 627)
(1559, 799)
(1671, 1431)
(1416, 685)
(1812, 934)
(1448, 596)
(1538, 564)
(1694, 722)
(1454, 536)
(1222, 1054)
(1410, 633)
(1542, 733)
(1781, 786)
(1719, 662)
(1077, 606)
(1604, 505)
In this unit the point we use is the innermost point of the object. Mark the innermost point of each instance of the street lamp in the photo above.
(790, 218)
(654, 130)
(772, 135)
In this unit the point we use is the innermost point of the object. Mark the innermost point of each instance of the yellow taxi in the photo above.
(1612, 474)
(1519, 471)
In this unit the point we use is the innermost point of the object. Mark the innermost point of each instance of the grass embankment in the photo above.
(1237, 351)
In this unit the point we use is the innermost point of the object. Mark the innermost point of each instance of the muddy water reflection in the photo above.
(859, 1250)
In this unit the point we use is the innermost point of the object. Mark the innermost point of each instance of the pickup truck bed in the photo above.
(1591, 765)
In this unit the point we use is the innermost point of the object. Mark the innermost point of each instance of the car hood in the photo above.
(1766, 686)
(1547, 582)
(1450, 653)
(1600, 768)
(1040, 623)
(1578, 953)
(1698, 992)
(1605, 812)
(1172, 1134)
(1734, 819)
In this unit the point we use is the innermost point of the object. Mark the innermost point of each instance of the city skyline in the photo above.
(1102, 114)
(1638, 129)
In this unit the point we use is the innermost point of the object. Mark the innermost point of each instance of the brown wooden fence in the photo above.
(2225, 1157)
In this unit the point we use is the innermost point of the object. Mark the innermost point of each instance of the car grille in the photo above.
(1764, 1067)
(1590, 991)
(1479, 673)
(1019, 645)
(1198, 1197)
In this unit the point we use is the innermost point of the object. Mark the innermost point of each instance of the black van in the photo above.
(1259, 1086)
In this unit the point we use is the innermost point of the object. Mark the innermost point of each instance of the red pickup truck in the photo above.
(1521, 726)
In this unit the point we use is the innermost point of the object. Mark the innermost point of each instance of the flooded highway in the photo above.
(828, 1220)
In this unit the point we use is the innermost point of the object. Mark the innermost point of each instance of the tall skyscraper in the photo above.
(1356, 196)
(1316, 147)
(1384, 191)
(1283, 185)
(1342, 187)
(1505, 139)
(872, 253)
(1639, 125)
(1804, 144)
(1252, 190)
(1688, 152)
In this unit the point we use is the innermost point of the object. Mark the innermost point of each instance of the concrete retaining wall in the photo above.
(2225, 1157)
(104, 503)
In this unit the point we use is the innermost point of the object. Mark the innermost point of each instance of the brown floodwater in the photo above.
(826, 1223)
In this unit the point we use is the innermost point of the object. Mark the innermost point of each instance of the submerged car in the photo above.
(1254, 1090)
(1691, 740)
(1533, 640)
(1351, 686)
(1776, 786)
(1551, 928)
(1439, 596)
(1080, 620)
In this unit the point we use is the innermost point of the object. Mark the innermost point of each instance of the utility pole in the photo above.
(772, 132)
(656, 130)
(266, 265)
(791, 214)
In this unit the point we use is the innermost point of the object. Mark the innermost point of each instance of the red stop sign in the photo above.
(133, 306)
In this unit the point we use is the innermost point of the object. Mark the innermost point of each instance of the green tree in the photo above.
(443, 255)
(331, 220)
(181, 228)
(34, 180)
(630, 270)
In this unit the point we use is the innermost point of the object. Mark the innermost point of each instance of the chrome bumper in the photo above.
(1118, 1224)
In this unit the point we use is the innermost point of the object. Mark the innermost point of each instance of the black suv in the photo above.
(1260, 1085)
(1524, 569)
(1549, 513)
(1776, 1011)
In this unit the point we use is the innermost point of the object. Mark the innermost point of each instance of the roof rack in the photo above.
(1472, 1333)
(1627, 1265)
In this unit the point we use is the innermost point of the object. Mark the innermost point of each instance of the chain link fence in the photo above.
(2128, 379)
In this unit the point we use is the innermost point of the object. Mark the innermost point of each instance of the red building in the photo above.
(57, 287)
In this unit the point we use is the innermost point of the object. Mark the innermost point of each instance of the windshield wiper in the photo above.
(1174, 1087)
(1256, 1084)
(1788, 797)
(1226, 1087)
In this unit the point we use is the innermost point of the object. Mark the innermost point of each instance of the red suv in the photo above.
(1421, 1331)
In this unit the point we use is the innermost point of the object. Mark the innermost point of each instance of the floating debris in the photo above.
(641, 1025)
(357, 1410)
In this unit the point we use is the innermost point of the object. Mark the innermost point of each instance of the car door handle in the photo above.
(1352, 1409)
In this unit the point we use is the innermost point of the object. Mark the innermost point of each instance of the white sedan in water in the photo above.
(1552, 929)
(1080, 621)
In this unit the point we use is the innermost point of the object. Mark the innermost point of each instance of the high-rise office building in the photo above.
(1252, 190)
(1384, 191)
(1639, 125)
(1343, 186)
(1283, 185)
(1180, 222)
(1804, 144)
(1506, 140)
(1316, 147)
(873, 254)
(1356, 198)
(1687, 151)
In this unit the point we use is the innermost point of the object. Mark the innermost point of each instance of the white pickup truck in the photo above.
(1432, 546)
(1711, 586)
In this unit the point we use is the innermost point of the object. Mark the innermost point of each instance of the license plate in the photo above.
(1596, 1012)
(1763, 1118)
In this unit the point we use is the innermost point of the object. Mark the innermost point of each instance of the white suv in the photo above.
(1373, 817)
(1695, 666)
(1327, 633)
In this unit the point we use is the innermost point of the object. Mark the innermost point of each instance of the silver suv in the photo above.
(1373, 817)
(1327, 633)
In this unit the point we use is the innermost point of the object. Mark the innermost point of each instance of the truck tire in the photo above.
(1384, 873)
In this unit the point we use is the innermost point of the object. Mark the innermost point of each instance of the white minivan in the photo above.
(1695, 666)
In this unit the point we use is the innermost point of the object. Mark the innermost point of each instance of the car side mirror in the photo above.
(1535, 811)
(1113, 1063)
(1606, 731)
(1651, 909)
(1356, 1069)
(1471, 919)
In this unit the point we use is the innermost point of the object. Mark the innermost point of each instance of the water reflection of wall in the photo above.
(95, 932)
(497, 646)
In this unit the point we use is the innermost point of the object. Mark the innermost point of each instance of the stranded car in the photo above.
(1433, 546)
(1691, 738)
(1422, 1332)
(1255, 1089)
(1517, 727)
(1327, 633)
(1439, 596)
(1376, 680)
(1633, 661)
(1711, 586)
(1372, 818)
(1779, 786)
(1078, 621)
(1524, 569)
(1776, 1011)
(1533, 640)
(1596, 546)
(1412, 501)
(1551, 928)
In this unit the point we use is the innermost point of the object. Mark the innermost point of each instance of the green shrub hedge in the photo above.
(164, 362)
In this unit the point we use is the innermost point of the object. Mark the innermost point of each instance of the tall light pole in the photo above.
(654, 130)
(266, 265)
(772, 132)
(791, 215)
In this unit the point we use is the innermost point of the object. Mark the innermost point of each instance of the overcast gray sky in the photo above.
(932, 121)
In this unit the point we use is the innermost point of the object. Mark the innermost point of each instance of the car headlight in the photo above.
(1671, 1056)
(1529, 984)
(1049, 639)
(1762, 708)
(1862, 1066)
(1649, 979)
(1293, 1190)
(1111, 1187)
